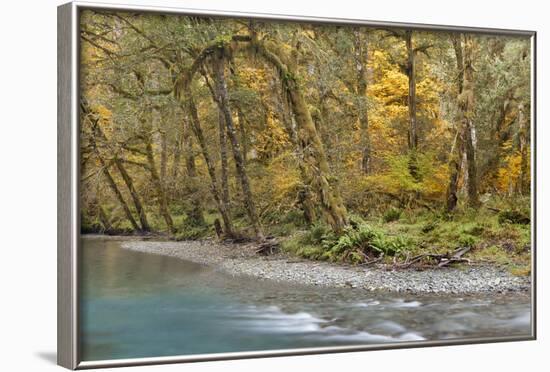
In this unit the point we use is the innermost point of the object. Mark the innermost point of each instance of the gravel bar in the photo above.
(240, 259)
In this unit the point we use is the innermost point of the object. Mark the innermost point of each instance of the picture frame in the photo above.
(68, 178)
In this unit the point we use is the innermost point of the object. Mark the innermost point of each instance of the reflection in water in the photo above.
(141, 305)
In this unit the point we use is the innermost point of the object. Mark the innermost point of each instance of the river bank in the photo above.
(241, 260)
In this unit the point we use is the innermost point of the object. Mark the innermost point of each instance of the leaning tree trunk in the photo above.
(223, 102)
(157, 182)
(315, 159)
(134, 194)
(195, 214)
(105, 170)
(197, 130)
(130, 185)
(103, 218)
(305, 197)
(113, 186)
(413, 130)
(361, 59)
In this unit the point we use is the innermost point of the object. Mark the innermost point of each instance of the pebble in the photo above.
(479, 279)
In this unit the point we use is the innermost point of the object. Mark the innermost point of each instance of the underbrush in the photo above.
(359, 243)
(491, 239)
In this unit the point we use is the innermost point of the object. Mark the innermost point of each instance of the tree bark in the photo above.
(130, 185)
(197, 130)
(177, 157)
(222, 131)
(457, 148)
(315, 159)
(466, 147)
(163, 156)
(361, 60)
(113, 186)
(195, 215)
(454, 171)
(97, 133)
(103, 218)
(244, 137)
(523, 182)
(134, 194)
(305, 196)
(467, 102)
(161, 194)
(223, 103)
(413, 129)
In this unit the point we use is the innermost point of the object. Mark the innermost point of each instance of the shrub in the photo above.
(475, 230)
(311, 252)
(429, 226)
(367, 240)
(318, 232)
(392, 214)
(513, 217)
(466, 240)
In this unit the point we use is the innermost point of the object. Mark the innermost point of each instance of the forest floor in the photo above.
(242, 259)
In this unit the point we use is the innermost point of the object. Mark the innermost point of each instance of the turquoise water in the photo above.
(142, 305)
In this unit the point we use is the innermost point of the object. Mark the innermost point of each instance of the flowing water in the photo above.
(143, 305)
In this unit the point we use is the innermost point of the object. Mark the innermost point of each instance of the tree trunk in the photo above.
(161, 194)
(163, 157)
(113, 186)
(195, 215)
(223, 102)
(454, 171)
(305, 197)
(177, 157)
(130, 185)
(467, 102)
(361, 60)
(413, 130)
(523, 182)
(455, 158)
(223, 159)
(315, 159)
(244, 137)
(103, 218)
(105, 170)
(197, 130)
(134, 194)
(473, 200)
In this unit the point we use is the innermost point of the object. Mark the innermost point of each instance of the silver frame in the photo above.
(68, 211)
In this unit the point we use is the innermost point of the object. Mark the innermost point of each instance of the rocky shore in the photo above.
(240, 259)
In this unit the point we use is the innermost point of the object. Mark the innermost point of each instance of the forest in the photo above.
(332, 142)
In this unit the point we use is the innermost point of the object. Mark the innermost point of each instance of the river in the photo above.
(137, 305)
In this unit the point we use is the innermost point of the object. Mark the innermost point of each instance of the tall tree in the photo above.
(223, 102)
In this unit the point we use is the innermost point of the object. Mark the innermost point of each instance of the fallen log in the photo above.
(268, 247)
(456, 257)
(442, 259)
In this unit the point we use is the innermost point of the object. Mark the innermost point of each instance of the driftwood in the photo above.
(442, 259)
(218, 228)
(268, 247)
